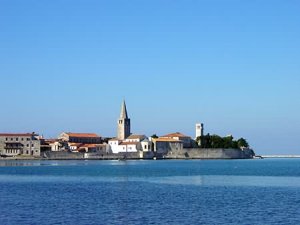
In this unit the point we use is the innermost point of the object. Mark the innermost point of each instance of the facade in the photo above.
(163, 146)
(199, 130)
(123, 123)
(186, 140)
(115, 145)
(134, 143)
(84, 138)
(94, 148)
(27, 144)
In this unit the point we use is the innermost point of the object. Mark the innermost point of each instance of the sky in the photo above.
(66, 65)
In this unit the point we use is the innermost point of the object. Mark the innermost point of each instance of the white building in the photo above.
(199, 130)
(133, 143)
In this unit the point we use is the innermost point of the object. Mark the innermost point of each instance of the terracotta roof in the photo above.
(166, 140)
(83, 135)
(129, 143)
(51, 140)
(136, 136)
(89, 146)
(75, 144)
(177, 134)
(16, 135)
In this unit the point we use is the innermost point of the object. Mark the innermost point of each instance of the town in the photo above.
(125, 145)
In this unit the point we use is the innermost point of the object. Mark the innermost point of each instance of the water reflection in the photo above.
(224, 181)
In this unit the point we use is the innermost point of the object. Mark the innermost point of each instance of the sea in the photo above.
(150, 192)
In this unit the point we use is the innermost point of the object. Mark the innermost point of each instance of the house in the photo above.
(186, 140)
(84, 138)
(25, 144)
(74, 147)
(163, 146)
(134, 143)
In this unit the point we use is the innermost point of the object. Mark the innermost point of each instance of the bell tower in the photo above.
(123, 123)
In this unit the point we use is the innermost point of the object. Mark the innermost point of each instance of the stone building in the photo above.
(84, 138)
(134, 143)
(186, 140)
(163, 146)
(125, 142)
(199, 130)
(123, 123)
(26, 144)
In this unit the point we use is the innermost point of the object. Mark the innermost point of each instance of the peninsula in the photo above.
(125, 145)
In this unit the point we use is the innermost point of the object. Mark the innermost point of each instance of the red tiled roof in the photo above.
(89, 146)
(166, 140)
(177, 134)
(75, 144)
(83, 135)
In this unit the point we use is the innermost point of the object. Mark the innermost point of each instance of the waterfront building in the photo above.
(163, 146)
(125, 141)
(186, 140)
(134, 143)
(94, 148)
(114, 144)
(123, 123)
(84, 138)
(23, 144)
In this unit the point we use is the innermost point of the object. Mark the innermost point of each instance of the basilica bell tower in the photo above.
(123, 123)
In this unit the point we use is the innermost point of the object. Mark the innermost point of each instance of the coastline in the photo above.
(185, 154)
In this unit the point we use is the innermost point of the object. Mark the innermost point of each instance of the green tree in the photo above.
(216, 141)
(154, 136)
(242, 143)
(228, 142)
(235, 144)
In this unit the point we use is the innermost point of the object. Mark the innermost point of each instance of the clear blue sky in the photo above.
(233, 65)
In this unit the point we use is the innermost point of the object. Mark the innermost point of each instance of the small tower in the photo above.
(199, 130)
(123, 123)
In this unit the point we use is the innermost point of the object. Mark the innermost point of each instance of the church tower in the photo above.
(199, 130)
(123, 123)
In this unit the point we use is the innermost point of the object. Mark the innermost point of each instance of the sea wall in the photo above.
(197, 153)
(96, 156)
(62, 155)
(186, 153)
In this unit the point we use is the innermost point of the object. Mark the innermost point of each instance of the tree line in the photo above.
(216, 141)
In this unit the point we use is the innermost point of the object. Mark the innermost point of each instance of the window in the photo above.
(145, 146)
(32, 145)
(6, 139)
(27, 146)
(17, 139)
(22, 139)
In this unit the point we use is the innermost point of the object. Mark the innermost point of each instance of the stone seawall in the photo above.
(196, 153)
(96, 156)
(186, 153)
(62, 155)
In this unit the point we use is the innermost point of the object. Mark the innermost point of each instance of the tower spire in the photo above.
(123, 114)
(123, 123)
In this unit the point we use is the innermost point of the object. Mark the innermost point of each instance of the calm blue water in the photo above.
(150, 192)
